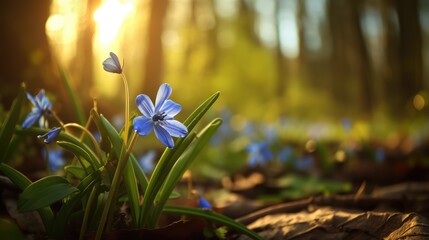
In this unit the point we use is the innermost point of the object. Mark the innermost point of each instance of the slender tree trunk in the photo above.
(363, 68)
(25, 52)
(410, 49)
(154, 63)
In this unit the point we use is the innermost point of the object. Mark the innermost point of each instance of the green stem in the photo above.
(88, 209)
(114, 187)
(127, 109)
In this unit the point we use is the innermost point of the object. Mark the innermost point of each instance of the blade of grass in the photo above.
(212, 216)
(8, 126)
(77, 105)
(181, 165)
(167, 160)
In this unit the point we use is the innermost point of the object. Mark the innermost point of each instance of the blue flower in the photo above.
(159, 117)
(55, 159)
(146, 161)
(51, 135)
(203, 203)
(112, 64)
(285, 154)
(41, 106)
(259, 153)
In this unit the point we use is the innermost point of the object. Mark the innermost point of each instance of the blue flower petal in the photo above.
(203, 203)
(142, 125)
(171, 108)
(33, 100)
(51, 135)
(145, 105)
(175, 128)
(163, 136)
(164, 92)
(112, 64)
(31, 119)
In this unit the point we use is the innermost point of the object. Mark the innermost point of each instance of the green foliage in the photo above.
(44, 192)
(91, 188)
(8, 126)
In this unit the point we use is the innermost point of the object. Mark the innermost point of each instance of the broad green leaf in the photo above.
(61, 137)
(169, 157)
(174, 195)
(85, 187)
(196, 116)
(8, 126)
(133, 192)
(117, 144)
(44, 192)
(182, 164)
(22, 182)
(158, 177)
(80, 152)
(77, 105)
(9, 230)
(105, 143)
(212, 216)
(77, 171)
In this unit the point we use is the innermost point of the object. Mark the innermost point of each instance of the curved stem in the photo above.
(94, 141)
(127, 109)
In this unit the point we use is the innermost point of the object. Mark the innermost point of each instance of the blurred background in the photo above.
(344, 71)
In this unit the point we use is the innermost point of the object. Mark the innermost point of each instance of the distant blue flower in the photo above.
(379, 155)
(285, 154)
(146, 161)
(305, 162)
(51, 135)
(55, 159)
(160, 117)
(112, 64)
(203, 203)
(41, 106)
(259, 153)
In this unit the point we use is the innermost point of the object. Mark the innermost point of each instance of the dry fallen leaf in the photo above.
(329, 223)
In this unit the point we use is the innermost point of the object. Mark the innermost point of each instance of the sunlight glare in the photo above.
(109, 18)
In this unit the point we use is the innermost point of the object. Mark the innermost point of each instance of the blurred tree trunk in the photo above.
(25, 52)
(351, 64)
(410, 49)
(403, 64)
(154, 64)
(337, 15)
(83, 60)
(363, 60)
(280, 60)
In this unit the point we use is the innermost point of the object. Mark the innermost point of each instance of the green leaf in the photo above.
(105, 143)
(22, 182)
(116, 141)
(77, 105)
(196, 116)
(78, 151)
(182, 164)
(212, 216)
(159, 174)
(169, 157)
(8, 126)
(9, 230)
(133, 192)
(84, 187)
(44, 192)
(77, 171)
(174, 195)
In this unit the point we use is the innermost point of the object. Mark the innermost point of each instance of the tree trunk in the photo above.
(154, 63)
